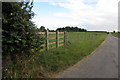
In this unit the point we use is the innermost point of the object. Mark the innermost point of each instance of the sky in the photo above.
(100, 15)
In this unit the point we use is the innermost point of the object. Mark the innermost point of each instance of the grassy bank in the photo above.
(116, 34)
(46, 64)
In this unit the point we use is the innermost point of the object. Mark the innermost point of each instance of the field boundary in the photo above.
(57, 39)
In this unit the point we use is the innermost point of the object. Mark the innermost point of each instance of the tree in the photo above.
(19, 32)
(42, 29)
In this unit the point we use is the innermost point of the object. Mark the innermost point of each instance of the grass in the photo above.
(116, 34)
(46, 64)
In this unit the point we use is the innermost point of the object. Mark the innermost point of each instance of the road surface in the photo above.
(102, 63)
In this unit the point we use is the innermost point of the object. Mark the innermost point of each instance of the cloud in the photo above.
(93, 14)
(54, 22)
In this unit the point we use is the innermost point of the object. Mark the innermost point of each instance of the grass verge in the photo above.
(116, 34)
(46, 64)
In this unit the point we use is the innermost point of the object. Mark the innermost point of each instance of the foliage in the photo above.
(19, 32)
(71, 29)
(113, 31)
(41, 29)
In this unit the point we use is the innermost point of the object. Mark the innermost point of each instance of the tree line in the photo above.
(67, 28)
(71, 29)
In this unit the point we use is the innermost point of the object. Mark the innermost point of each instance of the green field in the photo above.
(47, 64)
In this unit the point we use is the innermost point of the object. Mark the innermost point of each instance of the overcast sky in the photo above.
(88, 14)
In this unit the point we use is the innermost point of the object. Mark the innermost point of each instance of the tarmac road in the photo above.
(102, 63)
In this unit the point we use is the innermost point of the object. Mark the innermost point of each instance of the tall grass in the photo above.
(46, 64)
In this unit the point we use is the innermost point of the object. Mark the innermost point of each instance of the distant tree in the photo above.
(42, 29)
(113, 31)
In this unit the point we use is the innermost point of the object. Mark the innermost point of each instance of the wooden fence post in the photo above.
(47, 40)
(65, 38)
(57, 39)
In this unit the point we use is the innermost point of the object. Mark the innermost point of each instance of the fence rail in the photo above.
(57, 38)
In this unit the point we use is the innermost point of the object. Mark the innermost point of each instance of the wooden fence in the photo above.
(58, 40)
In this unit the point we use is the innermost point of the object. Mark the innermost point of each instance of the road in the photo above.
(102, 63)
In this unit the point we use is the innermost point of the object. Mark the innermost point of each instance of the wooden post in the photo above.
(64, 38)
(47, 40)
(57, 39)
